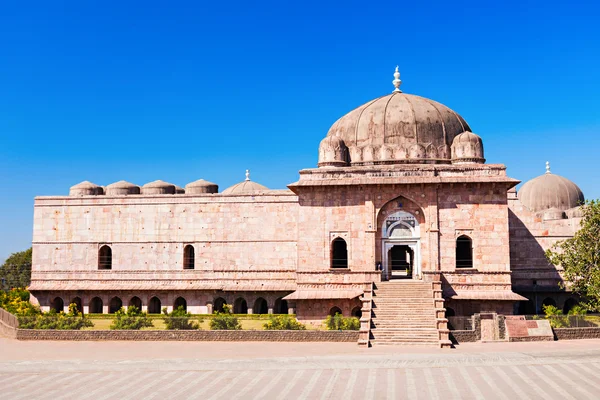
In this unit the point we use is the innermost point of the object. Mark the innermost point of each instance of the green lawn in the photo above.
(247, 324)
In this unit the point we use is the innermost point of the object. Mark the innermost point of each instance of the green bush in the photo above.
(133, 319)
(225, 321)
(73, 320)
(179, 319)
(16, 302)
(555, 316)
(340, 323)
(283, 322)
(578, 310)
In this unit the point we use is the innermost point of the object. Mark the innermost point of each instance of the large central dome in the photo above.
(398, 128)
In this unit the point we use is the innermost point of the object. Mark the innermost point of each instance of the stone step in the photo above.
(375, 342)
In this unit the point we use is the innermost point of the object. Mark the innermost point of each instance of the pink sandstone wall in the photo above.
(243, 242)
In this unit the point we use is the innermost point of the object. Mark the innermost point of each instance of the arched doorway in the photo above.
(114, 305)
(57, 305)
(335, 310)
(154, 306)
(96, 305)
(548, 301)
(281, 306)
(240, 306)
(401, 244)
(218, 304)
(357, 312)
(78, 304)
(180, 302)
(136, 302)
(260, 306)
(569, 304)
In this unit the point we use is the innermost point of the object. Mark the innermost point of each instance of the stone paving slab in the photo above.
(269, 371)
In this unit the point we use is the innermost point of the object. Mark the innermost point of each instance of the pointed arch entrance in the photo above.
(401, 246)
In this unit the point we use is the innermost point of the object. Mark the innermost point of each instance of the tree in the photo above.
(579, 257)
(16, 270)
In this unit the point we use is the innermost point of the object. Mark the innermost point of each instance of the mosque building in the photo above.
(402, 207)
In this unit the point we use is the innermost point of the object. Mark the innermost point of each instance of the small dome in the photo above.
(122, 188)
(158, 187)
(550, 191)
(467, 148)
(201, 187)
(85, 188)
(333, 152)
(245, 187)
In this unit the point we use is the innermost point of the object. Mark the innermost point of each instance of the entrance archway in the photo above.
(401, 246)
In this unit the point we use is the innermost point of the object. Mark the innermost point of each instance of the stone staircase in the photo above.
(408, 312)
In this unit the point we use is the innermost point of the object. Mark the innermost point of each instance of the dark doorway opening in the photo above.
(400, 262)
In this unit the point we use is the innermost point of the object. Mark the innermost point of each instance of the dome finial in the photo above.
(247, 174)
(397, 81)
(548, 167)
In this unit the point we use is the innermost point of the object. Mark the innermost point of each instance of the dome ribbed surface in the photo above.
(245, 187)
(399, 128)
(201, 187)
(550, 191)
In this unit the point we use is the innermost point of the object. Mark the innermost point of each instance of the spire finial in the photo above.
(397, 81)
(247, 174)
(548, 167)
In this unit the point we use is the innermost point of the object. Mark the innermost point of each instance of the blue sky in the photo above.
(104, 91)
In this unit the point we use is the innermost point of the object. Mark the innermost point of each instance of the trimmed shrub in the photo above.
(283, 322)
(225, 321)
(340, 323)
(132, 319)
(179, 319)
(73, 320)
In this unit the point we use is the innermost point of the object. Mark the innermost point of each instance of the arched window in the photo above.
(357, 312)
(188, 257)
(78, 304)
(335, 310)
(450, 312)
(105, 257)
(281, 306)
(240, 306)
(96, 305)
(154, 306)
(260, 306)
(114, 305)
(136, 302)
(218, 304)
(57, 305)
(339, 253)
(464, 252)
(180, 302)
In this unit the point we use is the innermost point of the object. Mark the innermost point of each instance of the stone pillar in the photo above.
(86, 309)
(105, 308)
(250, 310)
(209, 308)
(270, 311)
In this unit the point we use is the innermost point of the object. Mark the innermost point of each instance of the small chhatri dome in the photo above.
(86, 188)
(201, 187)
(158, 187)
(122, 188)
(398, 128)
(467, 148)
(550, 191)
(245, 187)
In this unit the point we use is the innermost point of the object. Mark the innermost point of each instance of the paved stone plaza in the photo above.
(193, 370)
